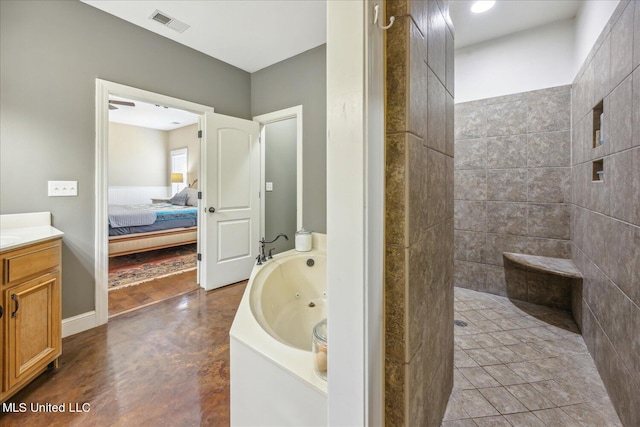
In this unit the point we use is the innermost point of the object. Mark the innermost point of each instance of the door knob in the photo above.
(212, 209)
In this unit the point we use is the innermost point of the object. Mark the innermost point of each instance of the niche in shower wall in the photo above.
(598, 170)
(598, 122)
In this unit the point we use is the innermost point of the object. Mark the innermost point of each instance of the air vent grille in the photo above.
(168, 21)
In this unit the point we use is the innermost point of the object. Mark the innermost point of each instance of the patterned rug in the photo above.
(130, 270)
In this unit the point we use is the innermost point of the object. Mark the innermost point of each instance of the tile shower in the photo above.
(526, 180)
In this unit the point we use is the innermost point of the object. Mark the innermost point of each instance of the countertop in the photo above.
(14, 238)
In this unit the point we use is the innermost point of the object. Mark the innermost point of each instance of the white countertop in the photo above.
(13, 238)
(17, 230)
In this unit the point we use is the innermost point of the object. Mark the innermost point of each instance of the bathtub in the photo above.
(272, 377)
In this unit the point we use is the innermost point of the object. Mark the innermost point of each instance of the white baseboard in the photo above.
(76, 324)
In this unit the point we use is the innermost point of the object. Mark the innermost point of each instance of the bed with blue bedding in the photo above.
(140, 228)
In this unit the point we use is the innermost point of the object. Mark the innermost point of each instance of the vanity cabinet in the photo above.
(31, 322)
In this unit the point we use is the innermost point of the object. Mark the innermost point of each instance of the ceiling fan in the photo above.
(126, 103)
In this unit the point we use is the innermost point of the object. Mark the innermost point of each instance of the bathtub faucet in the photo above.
(261, 257)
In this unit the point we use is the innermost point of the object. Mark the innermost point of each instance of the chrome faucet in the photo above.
(261, 257)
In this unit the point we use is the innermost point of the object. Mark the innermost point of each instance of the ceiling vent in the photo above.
(168, 21)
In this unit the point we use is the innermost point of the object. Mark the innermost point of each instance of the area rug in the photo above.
(131, 270)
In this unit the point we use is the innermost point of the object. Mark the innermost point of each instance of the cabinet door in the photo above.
(34, 328)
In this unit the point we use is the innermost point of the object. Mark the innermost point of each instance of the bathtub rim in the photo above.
(259, 282)
(246, 329)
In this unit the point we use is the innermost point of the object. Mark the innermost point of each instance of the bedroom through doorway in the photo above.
(153, 172)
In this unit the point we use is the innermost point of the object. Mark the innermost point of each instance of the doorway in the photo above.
(154, 158)
(228, 203)
(281, 175)
(105, 90)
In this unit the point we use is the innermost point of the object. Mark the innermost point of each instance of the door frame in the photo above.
(265, 119)
(105, 88)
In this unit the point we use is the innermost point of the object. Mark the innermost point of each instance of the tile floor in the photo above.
(520, 364)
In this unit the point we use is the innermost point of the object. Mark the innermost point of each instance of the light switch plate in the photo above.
(269, 186)
(63, 188)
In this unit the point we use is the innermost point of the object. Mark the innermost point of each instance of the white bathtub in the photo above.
(272, 377)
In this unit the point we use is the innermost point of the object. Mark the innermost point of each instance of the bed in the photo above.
(141, 228)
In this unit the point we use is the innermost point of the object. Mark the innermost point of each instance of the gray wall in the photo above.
(512, 186)
(606, 217)
(52, 52)
(301, 80)
(280, 169)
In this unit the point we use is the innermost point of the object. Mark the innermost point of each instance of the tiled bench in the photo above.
(553, 282)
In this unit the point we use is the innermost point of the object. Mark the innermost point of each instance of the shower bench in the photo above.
(549, 281)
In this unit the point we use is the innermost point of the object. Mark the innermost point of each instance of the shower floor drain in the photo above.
(460, 323)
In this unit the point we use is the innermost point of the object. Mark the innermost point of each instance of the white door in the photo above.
(231, 200)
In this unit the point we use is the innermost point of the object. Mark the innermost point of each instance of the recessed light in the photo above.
(482, 6)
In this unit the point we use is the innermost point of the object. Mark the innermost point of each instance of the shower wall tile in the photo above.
(436, 40)
(624, 182)
(397, 66)
(436, 113)
(470, 215)
(636, 101)
(620, 118)
(636, 41)
(469, 275)
(622, 45)
(470, 122)
(528, 157)
(419, 217)
(586, 102)
(499, 243)
(507, 218)
(450, 122)
(549, 220)
(469, 246)
(602, 71)
(623, 241)
(495, 280)
(418, 197)
(549, 149)
(549, 114)
(450, 187)
(507, 119)
(418, 72)
(394, 276)
(507, 152)
(507, 185)
(470, 184)
(471, 154)
(450, 60)
(549, 185)
(394, 392)
(540, 93)
(548, 247)
(436, 188)
(395, 192)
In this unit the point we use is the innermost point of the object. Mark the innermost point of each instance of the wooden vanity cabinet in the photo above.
(31, 322)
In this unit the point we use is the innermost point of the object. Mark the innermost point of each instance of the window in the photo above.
(178, 170)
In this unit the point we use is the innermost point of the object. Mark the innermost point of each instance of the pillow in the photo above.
(192, 196)
(178, 199)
